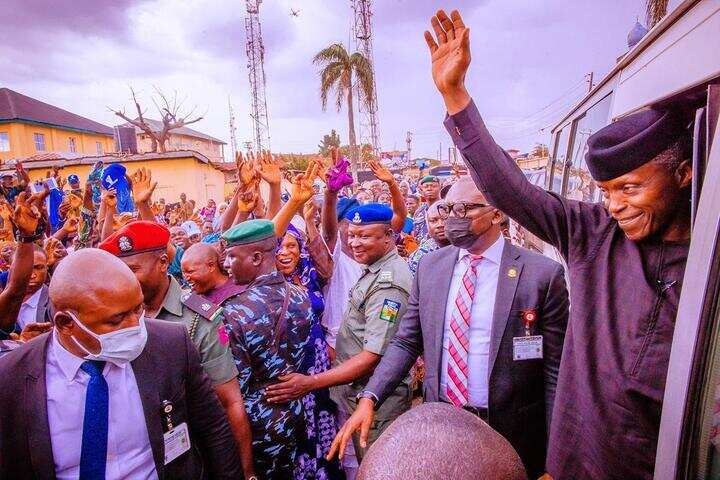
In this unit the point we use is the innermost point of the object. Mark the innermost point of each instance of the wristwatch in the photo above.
(29, 238)
(367, 394)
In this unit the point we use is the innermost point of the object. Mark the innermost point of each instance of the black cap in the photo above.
(632, 141)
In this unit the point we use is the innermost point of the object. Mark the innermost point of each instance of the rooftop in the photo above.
(157, 126)
(64, 159)
(15, 106)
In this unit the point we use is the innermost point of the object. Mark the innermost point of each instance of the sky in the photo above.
(529, 62)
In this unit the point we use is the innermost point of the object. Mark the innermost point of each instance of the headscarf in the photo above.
(307, 274)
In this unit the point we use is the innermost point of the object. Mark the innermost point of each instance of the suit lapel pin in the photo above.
(512, 272)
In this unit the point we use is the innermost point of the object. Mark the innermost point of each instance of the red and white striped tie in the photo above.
(459, 341)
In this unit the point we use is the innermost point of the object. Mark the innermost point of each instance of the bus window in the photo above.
(580, 184)
(557, 171)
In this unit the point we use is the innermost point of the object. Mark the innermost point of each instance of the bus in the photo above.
(677, 63)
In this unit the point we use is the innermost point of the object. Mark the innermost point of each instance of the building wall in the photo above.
(199, 181)
(212, 150)
(22, 142)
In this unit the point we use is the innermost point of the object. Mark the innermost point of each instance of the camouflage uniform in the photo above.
(420, 229)
(261, 356)
(208, 335)
(426, 246)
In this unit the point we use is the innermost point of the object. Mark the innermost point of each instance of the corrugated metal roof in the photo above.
(19, 107)
(157, 125)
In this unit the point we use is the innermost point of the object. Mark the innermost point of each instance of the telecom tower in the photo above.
(255, 51)
(362, 28)
(233, 131)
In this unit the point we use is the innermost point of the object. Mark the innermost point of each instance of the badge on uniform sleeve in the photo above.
(389, 311)
(386, 276)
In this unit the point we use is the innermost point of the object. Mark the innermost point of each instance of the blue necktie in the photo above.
(93, 454)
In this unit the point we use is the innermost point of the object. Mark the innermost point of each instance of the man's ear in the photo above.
(684, 174)
(164, 262)
(497, 217)
(257, 258)
(63, 321)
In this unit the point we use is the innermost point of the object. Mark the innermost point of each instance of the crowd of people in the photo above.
(279, 336)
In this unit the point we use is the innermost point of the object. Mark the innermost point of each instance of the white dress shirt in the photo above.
(28, 310)
(345, 275)
(481, 315)
(129, 454)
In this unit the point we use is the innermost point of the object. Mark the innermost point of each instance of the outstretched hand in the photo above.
(247, 173)
(450, 55)
(27, 212)
(269, 168)
(143, 186)
(381, 172)
(303, 184)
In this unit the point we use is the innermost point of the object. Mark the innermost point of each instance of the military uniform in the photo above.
(204, 323)
(377, 303)
(266, 344)
(207, 332)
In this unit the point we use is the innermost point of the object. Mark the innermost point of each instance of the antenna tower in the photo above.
(362, 29)
(233, 131)
(255, 51)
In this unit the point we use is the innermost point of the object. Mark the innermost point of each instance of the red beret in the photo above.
(137, 237)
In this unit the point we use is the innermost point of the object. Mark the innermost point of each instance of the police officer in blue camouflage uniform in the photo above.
(268, 325)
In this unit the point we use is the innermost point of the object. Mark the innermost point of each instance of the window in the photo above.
(557, 170)
(4, 142)
(39, 142)
(580, 184)
(71, 145)
(99, 148)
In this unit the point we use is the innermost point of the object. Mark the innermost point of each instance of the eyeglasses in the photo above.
(460, 209)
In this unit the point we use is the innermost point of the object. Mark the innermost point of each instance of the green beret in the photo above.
(249, 231)
(428, 179)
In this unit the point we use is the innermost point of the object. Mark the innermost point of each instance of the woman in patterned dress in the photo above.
(296, 258)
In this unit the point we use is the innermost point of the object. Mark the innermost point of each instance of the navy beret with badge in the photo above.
(633, 141)
(370, 214)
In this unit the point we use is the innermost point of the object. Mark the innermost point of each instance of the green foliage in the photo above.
(337, 70)
(332, 140)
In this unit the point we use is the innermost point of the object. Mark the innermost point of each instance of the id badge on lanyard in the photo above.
(528, 347)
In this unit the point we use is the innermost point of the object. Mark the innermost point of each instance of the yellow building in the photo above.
(182, 138)
(176, 172)
(29, 127)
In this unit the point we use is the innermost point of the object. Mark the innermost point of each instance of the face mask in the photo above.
(458, 233)
(118, 347)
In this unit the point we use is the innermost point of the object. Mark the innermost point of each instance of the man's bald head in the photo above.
(416, 446)
(89, 276)
(201, 267)
(465, 190)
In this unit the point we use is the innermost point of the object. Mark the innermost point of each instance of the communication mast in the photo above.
(233, 131)
(367, 106)
(255, 51)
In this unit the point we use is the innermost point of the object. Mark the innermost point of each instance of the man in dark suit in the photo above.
(490, 320)
(107, 394)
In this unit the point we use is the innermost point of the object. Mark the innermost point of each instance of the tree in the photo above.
(655, 10)
(332, 140)
(337, 72)
(170, 116)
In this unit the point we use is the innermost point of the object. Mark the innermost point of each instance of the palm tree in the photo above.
(655, 10)
(338, 69)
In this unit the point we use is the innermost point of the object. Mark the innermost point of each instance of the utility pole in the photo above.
(408, 141)
(255, 50)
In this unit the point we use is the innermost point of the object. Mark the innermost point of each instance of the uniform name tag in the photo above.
(528, 347)
(177, 442)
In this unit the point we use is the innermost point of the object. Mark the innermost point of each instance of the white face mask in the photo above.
(118, 347)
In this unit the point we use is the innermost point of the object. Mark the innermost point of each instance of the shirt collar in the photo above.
(173, 298)
(68, 362)
(34, 299)
(493, 252)
(377, 266)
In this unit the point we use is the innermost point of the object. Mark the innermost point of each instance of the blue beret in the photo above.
(112, 174)
(73, 178)
(370, 213)
(343, 205)
(633, 141)
(249, 231)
